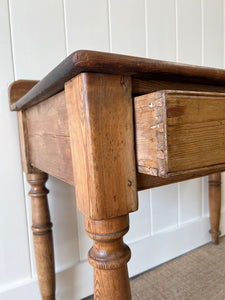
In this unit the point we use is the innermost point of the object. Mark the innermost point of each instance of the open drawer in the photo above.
(179, 132)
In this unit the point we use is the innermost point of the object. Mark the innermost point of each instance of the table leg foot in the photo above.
(215, 205)
(109, 257)
(42, 235)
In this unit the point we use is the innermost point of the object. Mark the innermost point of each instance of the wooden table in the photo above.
(112, 125)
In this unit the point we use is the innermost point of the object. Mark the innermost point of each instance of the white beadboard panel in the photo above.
(205, 196)
(37, 49)
(63, 213)
(127, 25)
(164, 207)
(38, 36)
(223, 191)
(62, 208)
(161, 29)
(213, 33)
(85, 243)
(25, 290)
(75, 283)
(87, 25)
(189, 31)
(157, 249)
(140, 225)
(14, 249)
(190, 200)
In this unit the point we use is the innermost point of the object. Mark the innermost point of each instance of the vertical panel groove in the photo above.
(202, 32)
(110, 26)
(151, 217)
(203, 195)
(11, 40)
(24, 197)
(176, 28)
(223, 35)
(65, 29)
(30, 242)
(16, 262)
(146, 29)
(178, 204)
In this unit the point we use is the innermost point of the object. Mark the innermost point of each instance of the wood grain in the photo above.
(108, 63)
(145, 181)
(48, 137)
(146, 86)
(24, 150)
(100, 118)
(179, 131)
(109, 257)
(42, 235)
(16, 90)
(51, 150)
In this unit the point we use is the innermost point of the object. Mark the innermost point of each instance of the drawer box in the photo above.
(179, 132)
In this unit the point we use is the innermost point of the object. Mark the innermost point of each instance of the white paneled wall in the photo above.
(34, 37)
(213, 33)
(14, 246)
(86, 18)
(161, 29)
(189, 31)
(127, 27)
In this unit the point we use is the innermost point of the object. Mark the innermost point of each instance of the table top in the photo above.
(108, 63)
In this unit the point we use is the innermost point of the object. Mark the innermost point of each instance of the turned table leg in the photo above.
(215, 205)
(100, 113)
(109, 257)
(42, 235)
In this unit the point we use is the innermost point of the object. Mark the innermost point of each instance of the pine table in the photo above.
(112, 125)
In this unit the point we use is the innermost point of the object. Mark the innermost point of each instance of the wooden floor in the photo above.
(198, 275)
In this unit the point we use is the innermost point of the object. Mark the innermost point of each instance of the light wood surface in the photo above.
(54, 137)
(100, 118)
(42, 235)
(49, 138)
(102, 142)
(146, 86)
(215, 205)
(109, 257)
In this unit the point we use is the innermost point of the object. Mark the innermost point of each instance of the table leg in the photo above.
(42, 235)
(109, 257)
(100, 114)
(215, 205)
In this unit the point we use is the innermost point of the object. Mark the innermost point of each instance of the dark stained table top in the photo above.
(108, 63)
